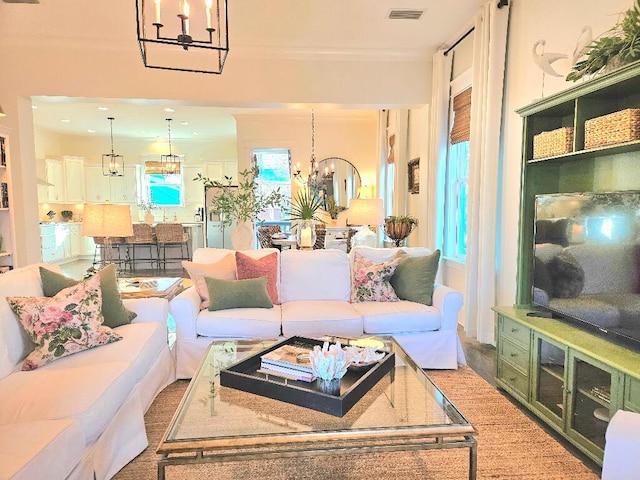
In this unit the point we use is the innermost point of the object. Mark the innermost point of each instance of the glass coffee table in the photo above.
(404, 411)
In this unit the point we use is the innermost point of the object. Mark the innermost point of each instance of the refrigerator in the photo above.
(216, 236)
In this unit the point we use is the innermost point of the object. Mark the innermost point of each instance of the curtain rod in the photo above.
(501, 3)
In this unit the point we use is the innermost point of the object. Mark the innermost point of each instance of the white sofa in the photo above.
(81, 416)
(314, 289)
(621, 460)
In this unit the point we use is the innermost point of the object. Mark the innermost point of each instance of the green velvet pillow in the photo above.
(415, 276)
(249, 293)
(113, 310)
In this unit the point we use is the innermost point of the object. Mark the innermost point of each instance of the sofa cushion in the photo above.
(249, 293)
(27, 448)
(320, 317)
(90, 394)
(385, 254)
(415, 276)
(240, 323)
(397, 317)
(314, 275)
(67, 323)
(224, 269)
(140, 346)
(371, 281)
(113, 310)
(267, 266)
(568, 276)
(24, 281)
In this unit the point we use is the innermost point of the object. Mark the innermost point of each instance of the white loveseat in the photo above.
(81, 416)
(315, 290)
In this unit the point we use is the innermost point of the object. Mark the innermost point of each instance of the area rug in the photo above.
(510, 446)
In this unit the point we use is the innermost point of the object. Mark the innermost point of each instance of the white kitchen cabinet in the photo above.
(193, 189)
(54, 170)
(218, 170)
(74, 179)
(101, 188)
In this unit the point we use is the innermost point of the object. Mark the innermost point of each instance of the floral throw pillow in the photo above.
(65, 324)
(371, 280)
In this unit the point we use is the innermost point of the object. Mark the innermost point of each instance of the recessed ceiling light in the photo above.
(35, 107)
(169, 109)
(195, 133)
(65, 120)
(91, 130)
(184, 122)
(143, 132)
(103, 108)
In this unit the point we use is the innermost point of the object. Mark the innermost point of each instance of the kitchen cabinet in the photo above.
(193, 189)
(219, 169)
(67, 179)
(54, 171)
(74, 179)
(125, 189)
(61, 242)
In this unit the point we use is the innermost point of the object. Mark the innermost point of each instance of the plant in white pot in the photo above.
(241, 205)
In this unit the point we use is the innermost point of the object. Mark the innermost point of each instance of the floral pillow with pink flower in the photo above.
(67, 323)
(371, 281)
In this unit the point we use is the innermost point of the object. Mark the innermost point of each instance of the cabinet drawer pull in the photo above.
(513, 355)
(512, 379)
(514, 330)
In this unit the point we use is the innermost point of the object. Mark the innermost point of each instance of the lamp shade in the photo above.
(366, 211)
(107, 220)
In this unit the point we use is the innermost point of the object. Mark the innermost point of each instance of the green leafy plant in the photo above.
(618, 46)
(306, 205)
(242, 203)
(398, 227)
(405, 219)
(66, 214)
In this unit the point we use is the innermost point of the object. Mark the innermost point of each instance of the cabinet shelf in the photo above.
(590, 153)
(555, 371)
(5, 254)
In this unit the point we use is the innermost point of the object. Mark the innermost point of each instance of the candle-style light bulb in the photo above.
(157, 5)
(208, 4)
(186, 17)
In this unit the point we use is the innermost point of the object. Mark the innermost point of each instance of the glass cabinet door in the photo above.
(592, 400)
(549, 388)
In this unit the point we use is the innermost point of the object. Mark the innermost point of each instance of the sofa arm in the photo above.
(621, 460)
(148, 309)
(184, 309)
(449, 302)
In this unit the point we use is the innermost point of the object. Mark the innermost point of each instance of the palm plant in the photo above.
(306, 206)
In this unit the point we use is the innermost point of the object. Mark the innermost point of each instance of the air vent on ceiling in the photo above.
(405, 14)
(21, 1)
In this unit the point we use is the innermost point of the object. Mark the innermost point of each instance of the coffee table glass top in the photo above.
(404, 404)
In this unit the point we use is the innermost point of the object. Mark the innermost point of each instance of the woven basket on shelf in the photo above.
(555, 142)
(617, 127)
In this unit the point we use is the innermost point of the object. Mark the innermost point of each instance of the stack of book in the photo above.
(290, 362)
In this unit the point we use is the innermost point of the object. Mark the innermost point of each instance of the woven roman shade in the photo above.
(460, 131)
(392, 142)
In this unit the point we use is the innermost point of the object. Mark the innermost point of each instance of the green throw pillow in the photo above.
(249, 293)
(415, 276)
(113, 310)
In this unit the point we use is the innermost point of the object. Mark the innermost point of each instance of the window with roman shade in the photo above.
(461, 128)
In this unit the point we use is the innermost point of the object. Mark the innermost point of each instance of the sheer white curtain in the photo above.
(438, 140)
(490, 41)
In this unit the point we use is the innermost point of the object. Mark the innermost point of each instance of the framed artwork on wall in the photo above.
(414, 175)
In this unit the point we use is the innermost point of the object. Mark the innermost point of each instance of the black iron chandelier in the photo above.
(177, 35)
(112, 164)
(169, 164)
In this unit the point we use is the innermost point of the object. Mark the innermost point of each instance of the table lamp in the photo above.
(108, 221)
(365, 212)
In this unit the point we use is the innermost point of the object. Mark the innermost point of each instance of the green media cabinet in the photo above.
(570, 378)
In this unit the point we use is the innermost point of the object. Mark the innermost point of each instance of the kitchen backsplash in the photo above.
(169, 214)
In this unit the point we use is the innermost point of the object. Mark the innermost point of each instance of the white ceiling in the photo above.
(257, 29)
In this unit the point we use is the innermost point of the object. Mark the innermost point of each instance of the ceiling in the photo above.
(257, 29)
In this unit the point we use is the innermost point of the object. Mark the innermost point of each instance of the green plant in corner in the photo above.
(616, 47)
(242, 203)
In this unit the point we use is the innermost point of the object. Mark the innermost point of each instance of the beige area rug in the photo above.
(510, 446)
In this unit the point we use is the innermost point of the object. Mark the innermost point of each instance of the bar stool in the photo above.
(321, 233)
(264, 235)
(171, 235)
(100, 252)
(143, 236)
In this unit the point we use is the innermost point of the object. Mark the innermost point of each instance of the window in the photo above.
(274, 167)
(457, 176)
(164, 190)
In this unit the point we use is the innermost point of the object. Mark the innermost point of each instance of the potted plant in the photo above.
(398, 227)
(333, 208)
(240, 205)
(615, 48)
(67, 215)
(304, 215)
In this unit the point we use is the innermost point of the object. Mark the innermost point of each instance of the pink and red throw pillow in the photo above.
(67, 323)
(247, 267)
(371, 281)
(223, 269)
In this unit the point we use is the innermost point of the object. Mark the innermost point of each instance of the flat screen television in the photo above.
(586, 261)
